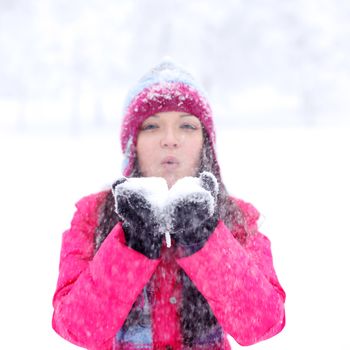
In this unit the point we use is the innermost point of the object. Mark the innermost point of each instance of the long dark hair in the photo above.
(229, 212)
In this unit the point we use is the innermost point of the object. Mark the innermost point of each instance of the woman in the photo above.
(166, 259)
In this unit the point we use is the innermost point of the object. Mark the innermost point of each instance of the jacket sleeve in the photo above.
(96, 292)
(239, 283)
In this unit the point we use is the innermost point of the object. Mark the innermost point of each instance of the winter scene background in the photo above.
(277, 74)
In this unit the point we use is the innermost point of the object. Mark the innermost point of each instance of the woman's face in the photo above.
(169, 145)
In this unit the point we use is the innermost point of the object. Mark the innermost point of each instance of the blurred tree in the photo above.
(81, 55)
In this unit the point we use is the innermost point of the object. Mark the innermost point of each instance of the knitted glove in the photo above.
(193, 212)
(140, 225)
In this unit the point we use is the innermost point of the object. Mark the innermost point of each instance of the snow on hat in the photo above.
(167, 87)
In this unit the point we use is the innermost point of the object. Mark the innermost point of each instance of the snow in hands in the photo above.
(202, 190)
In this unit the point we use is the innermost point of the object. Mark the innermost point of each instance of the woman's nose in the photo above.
(169, 139)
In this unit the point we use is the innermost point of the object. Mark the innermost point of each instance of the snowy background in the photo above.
(277, 73)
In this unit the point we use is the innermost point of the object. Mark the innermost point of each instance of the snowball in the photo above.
(163, 200)
(154, 189)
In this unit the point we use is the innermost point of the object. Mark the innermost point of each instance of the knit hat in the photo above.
(167, 87)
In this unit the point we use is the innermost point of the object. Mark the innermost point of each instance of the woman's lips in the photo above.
(170, 162)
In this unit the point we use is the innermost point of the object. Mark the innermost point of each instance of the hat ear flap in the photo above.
(129, 157)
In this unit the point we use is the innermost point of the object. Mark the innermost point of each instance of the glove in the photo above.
(193, 211)
(140, 225)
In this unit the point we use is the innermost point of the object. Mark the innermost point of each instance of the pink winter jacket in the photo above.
(95, 293)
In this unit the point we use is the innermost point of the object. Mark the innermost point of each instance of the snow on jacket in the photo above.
(98, 293)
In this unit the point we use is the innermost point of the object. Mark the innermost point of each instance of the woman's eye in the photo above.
(149, 127)
(189, 126)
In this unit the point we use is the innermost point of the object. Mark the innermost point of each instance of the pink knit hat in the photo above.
(165, 88)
